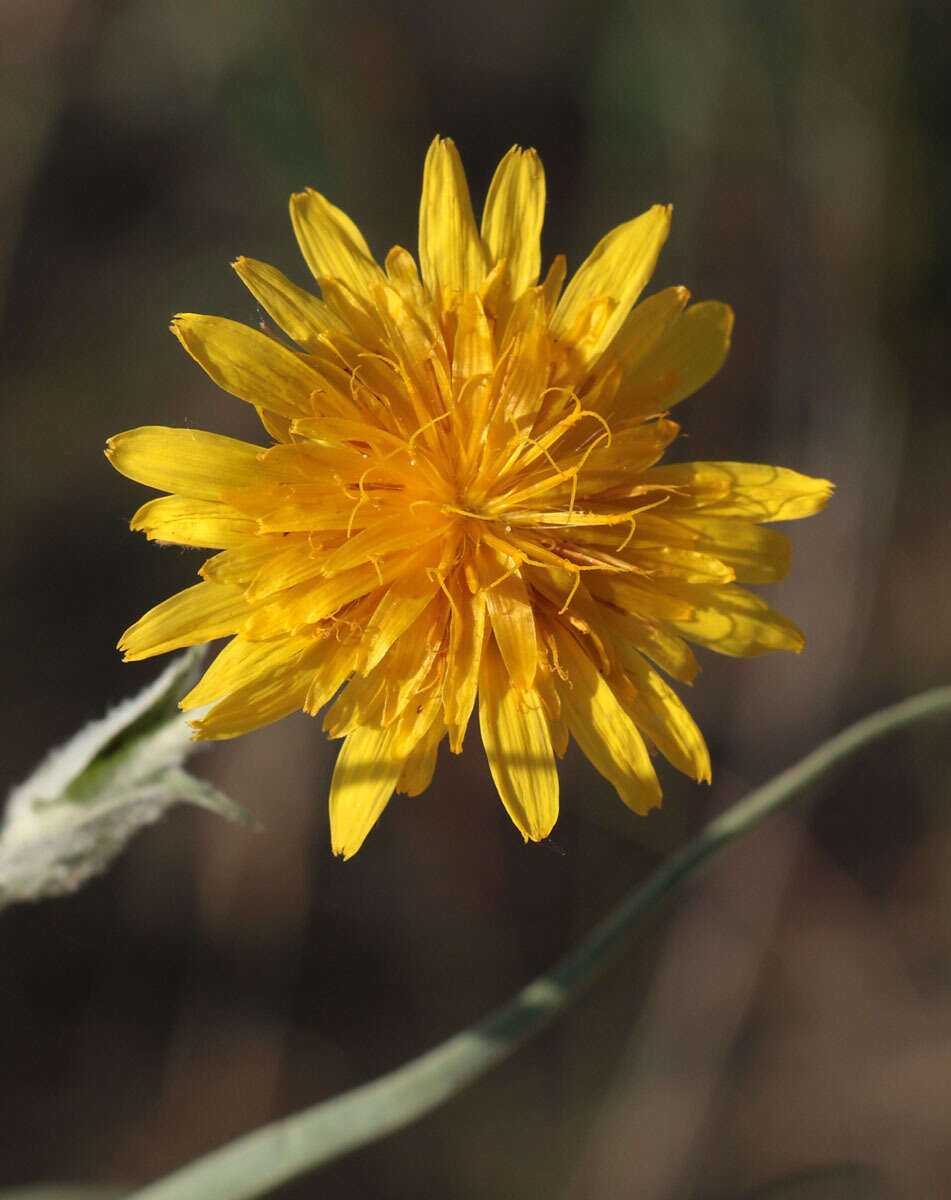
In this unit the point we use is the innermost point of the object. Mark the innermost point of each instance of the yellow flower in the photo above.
(461, 503)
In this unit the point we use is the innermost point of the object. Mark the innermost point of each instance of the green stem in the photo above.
(275, 1153)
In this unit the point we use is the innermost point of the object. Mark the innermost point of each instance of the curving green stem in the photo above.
(275, 1153)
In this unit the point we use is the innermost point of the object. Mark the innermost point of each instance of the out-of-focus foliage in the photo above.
(76, 812)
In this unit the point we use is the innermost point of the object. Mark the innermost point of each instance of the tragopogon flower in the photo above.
(461, 504)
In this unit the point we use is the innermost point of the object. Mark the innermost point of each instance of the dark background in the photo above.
(794, 1008)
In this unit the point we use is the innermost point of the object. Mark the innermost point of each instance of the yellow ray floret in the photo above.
(461, 506)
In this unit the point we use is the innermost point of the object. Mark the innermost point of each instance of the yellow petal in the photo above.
(356, 310)
(313, 512)
(331, 665)
(659, 712)
(331, 243)
(670, 652)
(473, 348)
(315, 600)
(466, 642)
(387, 535)
(646, 599)
(248, 364)
(756, 554)
(420, 764)
(240, 564)
(270, 698)
(751, 490)
(194, 463)
(400, 606)
(613, 464)
(188, 522)
(411, 664)
(410, 340)
(523, 375)
(364, 779)
(302, 316)
(689, 351)
(403, 274)
(267, 564)
(733, 621)
(341, 433)
(688, 565)
(416, 719)
(513, 624)
(646, 324)
(198, 614)
(518, 747)
(239, 664)
(513, 215)
(618, 267)
(452, 257)
(277, 426)
(359, 704)
(510, 611)
(603, 730)
(261, 682)
(582, 341)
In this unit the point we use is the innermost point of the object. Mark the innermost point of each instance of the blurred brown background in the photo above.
(794, 1009)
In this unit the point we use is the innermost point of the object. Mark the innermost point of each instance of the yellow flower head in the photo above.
(461, 503)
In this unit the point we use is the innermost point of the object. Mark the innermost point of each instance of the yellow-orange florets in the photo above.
(462, 506)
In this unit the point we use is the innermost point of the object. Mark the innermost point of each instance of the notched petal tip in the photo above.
(824, 495)
(298, 198)
(180, 325)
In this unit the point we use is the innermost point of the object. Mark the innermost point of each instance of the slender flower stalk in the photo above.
(273, 1154)
(462, 505)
